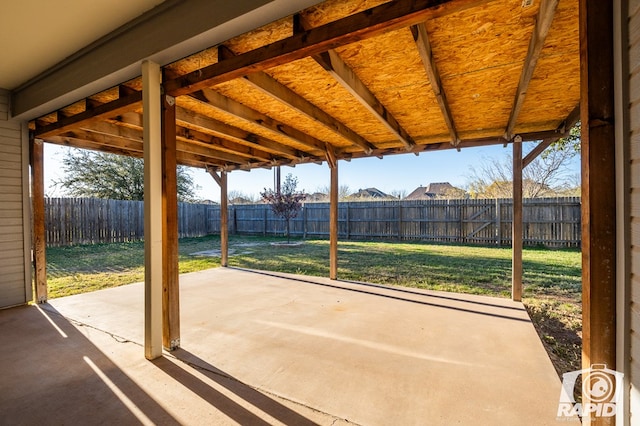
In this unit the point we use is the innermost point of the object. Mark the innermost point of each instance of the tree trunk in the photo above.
(288, 233)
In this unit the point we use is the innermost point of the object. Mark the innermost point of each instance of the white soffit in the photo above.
(37, 34)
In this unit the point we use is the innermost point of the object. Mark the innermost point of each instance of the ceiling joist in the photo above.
(421, 37)
(344, 75)
(275, 89)
(106, 110)
(541, 30)
(386, 17)
(230, 106)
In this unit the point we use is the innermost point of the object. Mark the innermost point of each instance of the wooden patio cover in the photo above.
(355, 78)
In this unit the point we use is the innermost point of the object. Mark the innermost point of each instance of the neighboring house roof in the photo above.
(432, 190)
(370, 193)
(240, 200)
(317, 196)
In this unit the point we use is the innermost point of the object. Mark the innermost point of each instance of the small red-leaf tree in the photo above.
(286, 203)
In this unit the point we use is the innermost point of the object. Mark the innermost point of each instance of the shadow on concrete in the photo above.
(220, 401)
(364, 290)
(52, 374)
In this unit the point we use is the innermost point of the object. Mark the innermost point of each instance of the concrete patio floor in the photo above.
(262, 348)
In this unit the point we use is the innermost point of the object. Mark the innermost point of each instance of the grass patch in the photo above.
(552, 278)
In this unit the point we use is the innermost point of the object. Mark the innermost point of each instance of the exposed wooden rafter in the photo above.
(421, 37)
(190, 129)
(275, 89)
(344, 75)
(107, 110)
(230, 106)
(236, 134)
(386, 17)
(543, 25)
(533, 154)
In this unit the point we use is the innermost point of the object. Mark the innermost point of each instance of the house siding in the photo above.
(13, 235)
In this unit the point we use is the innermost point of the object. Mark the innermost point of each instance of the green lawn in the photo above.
(552, 278)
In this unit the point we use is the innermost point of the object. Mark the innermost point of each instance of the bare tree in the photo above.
(343, 191)
(543, 177)
(399, 193)
(287, 202)
(238, 197)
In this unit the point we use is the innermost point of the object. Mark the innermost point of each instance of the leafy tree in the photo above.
(570, 143)
(117, 177)
(287, 203)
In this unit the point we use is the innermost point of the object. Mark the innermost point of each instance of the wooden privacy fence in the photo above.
(552, 222)
(91, 220)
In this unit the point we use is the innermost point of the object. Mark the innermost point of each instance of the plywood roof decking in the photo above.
(292, 110)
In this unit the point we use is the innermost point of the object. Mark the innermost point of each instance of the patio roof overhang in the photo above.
(350, 79)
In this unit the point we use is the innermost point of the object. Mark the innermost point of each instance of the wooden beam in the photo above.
(36, 160)
(571, 120)
(206, 140)
(103, 143)
(107, 110)
(598, 189)
(224, 220)
(421, 37)
(333, 223)
(539, 149)
(130, 126)
(221, 180)
(516, 227)
(331, 156)
(236, 134)
(230, 106)
(544, 19)
(153, 268)
(273, 88)
(214, 175)
(97, 141)
(344, 75)
(185, 145)
(170, 275)
(369, 23)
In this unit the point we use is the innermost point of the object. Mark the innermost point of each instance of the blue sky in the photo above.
(394, 172)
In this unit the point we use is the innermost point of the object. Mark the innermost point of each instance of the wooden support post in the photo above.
(516, 225)
(221, 180)
(170, 275)
(224, 220)
(333, 223)
(153, 270)
(598, 188)
(36, 158)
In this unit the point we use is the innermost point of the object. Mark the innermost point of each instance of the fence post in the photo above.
(234, 225)
(498, 222)
(461, 221)
(304, 220)
(348, 221)
(399, 220)
(264, 228)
